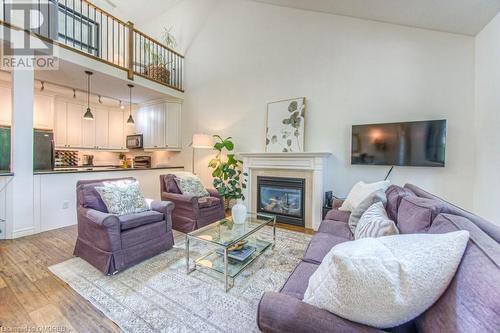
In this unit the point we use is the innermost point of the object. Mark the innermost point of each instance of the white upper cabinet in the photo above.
(88, 130)
(74, 119)
(43, 112)
(173, 126)
(60, 124)
(5, 106)
(116, 130)
(101, 117)
(105, 132)
(160, 125)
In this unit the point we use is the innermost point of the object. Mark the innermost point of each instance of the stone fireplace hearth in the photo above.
(305, 168)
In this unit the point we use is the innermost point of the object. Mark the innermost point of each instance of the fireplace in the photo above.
(283, 197)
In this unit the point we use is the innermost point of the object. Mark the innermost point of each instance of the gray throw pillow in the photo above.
(375, 223)
(377, 196)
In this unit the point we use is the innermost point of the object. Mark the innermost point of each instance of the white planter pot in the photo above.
(239, 213)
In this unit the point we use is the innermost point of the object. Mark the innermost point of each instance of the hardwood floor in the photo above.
(30, 295)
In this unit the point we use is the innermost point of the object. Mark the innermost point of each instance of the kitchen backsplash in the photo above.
(103, 158)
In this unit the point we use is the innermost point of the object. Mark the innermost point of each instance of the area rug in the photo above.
(158, 296)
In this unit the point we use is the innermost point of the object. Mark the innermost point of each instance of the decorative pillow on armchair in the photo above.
(191, 185)
(123, 197)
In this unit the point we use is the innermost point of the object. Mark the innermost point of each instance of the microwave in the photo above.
(134, 141)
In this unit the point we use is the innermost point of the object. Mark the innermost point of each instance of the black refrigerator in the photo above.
(43, 152)
(4, 149)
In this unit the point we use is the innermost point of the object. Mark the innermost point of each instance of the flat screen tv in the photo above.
(417, 143)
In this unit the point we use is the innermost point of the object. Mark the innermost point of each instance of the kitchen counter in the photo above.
(99, 169)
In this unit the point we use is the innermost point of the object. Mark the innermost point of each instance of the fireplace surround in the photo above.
(314, 167)
(283, 197)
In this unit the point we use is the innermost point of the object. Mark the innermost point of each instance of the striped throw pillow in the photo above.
(375, 223)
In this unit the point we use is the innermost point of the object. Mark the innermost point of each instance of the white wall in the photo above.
(240, 55)
(487, 181)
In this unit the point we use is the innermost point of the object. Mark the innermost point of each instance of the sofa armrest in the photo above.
(102, 230)
(337, 203)
(178, 198)
(213, 193)
(280, 313)
(99, 218)
(165, 207)
(338, 215)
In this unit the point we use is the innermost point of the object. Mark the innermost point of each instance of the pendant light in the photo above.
(88, 114)
(130, 120)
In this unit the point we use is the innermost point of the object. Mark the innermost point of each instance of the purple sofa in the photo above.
(113, 243)
(470, 304)
(191, 213)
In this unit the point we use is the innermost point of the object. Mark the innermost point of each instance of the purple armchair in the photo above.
(113, 243)
(191, 213)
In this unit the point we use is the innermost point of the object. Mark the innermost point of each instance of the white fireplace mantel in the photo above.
(313, 162)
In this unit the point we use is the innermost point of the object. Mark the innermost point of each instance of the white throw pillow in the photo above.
(385, 282)
(191, 185)
(375, 223)
(360, 192)
(123, 197)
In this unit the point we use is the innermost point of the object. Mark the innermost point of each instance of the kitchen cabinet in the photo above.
(88, 131)
(5, 106)
(43, 112)
(173, 126)
(60, 124)
(116, 130)
(101, 128)
(160, 125)
(74, 119)
(105, 132)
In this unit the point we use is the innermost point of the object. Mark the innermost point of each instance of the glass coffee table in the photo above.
(226, 235)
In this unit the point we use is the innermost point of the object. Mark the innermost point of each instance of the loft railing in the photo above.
(89, 30)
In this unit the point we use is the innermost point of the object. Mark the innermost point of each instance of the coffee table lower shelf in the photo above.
(215, 261)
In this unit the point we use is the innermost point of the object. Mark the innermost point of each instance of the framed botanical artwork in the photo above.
(285, 126)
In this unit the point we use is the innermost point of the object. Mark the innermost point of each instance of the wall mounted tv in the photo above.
(418, 143)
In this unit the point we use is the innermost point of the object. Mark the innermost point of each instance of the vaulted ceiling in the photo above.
(466, 17)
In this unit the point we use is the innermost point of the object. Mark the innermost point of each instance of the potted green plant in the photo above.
(229, 178)
(157, 66)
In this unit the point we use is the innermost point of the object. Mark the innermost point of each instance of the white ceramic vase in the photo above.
(239, 212)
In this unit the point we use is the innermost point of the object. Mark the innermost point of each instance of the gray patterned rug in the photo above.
(158, 296)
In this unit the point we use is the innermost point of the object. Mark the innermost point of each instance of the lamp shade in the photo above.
(202, 141)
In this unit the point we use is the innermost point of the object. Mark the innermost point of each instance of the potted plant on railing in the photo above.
(229, 178)
(157, 67)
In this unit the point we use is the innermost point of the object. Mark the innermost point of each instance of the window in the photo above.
(76, 28)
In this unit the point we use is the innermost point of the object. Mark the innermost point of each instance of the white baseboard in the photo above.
(23, 232)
